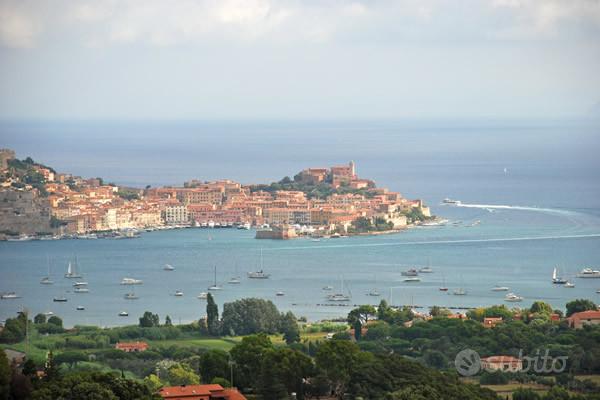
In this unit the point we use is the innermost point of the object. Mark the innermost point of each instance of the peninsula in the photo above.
(36, 201)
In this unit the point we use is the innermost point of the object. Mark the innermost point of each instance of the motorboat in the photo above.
(279, 294)
(79, 284)
(178, 293)
(203, 296)
(327, 288)
(589, 273)
(169, 267)
(260, 274)
(412, 279)
(410, 272)
(80, 308)
(500, 289)
(569, 285)
(123, 314)
(338, 297)
(234, 280)
(81, 290)
(374, 293)
(443, 289)
(426, 270)
(60, 299)
(131, 281)
(130, 296)
(46, 281)
(9, 295)
(450, 201)
(513, 298)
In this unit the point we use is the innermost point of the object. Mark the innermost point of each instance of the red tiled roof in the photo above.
(591, 314)
(500, 359)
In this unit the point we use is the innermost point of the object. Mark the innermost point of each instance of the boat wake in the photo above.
(492, 207)
(451, 241)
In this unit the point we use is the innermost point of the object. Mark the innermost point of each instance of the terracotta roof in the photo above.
(501, 359)
(591, 314)
(212, 390)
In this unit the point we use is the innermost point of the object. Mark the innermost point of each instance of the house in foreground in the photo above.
(200, 392)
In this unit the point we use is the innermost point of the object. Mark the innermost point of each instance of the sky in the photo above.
(292, 59)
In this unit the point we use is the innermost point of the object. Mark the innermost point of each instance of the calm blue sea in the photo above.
(551, 183)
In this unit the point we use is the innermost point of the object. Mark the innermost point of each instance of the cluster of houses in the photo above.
(89, 205)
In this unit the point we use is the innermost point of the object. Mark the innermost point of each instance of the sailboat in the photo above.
(234, 280)
(374, 292)
(460, 291)
(72, 271)
(339, 296)
(260, 274)
(443, 288)
(214, 285)
(46, 280)
(557, 280)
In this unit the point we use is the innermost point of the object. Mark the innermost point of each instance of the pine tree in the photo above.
(212, 315)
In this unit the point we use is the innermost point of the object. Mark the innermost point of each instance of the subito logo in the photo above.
(467, 362)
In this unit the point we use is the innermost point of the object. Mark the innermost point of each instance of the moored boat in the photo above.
(589, 273)
(513, 298)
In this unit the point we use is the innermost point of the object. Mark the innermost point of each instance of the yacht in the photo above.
(169, 267)
(327, 288)
(589, 273)
(130, 296)
(245, 226)
(60, 299)
(203, 296)
(338, 297)
(557, 280)
(426, 270)
(412, 279)
(569, 285)
(410, 272)
(79, 284)
(234, 280)
(9, 295)
(279, 293)
(72, 271)
(513, 298)
(598, 291)
(80, 308)
(374, 293)
(81, 290)
(214, 286)
(459, 292)
(500, 289)
(450, 201)
(178, 293)
(123, 314)
(131, 281)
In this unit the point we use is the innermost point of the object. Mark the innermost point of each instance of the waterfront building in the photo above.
(200, 392)
(175, 214)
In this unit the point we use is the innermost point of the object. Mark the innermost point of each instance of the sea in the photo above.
(529, 192)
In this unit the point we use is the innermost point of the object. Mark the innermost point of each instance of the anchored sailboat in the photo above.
(47, 280)
(214, 285)
(72, 271)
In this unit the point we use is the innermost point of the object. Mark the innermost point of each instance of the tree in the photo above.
(580, 305)
(182, 374)
(20, 386)
(336, 358)
(50, 368)
(289, 327)
(359, 317)
(541, 307)
(284, 371)
(214, 364)
(247, 356)
(153, 383)
(437, 311)
(168, 321)
(249, 316)
(54, 320)
(149, 320)
(212, 316)
(70, 357)
(5, 376)
(29, 368)
(39, 319)
(525, 394)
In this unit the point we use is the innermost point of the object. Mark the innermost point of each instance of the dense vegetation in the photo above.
(399, 356)
(23, 172)
(320, 190)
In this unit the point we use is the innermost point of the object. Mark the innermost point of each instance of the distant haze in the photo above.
(286, 59)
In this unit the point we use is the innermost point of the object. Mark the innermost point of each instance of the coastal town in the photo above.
(36, 201)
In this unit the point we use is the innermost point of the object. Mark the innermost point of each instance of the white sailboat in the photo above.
(234, 280)
(374, 292)
(47, 280)
(214, 286)
(260, 274)
(556, 279)
(72, 271)
(339, 296)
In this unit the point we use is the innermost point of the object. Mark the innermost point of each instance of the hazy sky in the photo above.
(236, 59)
